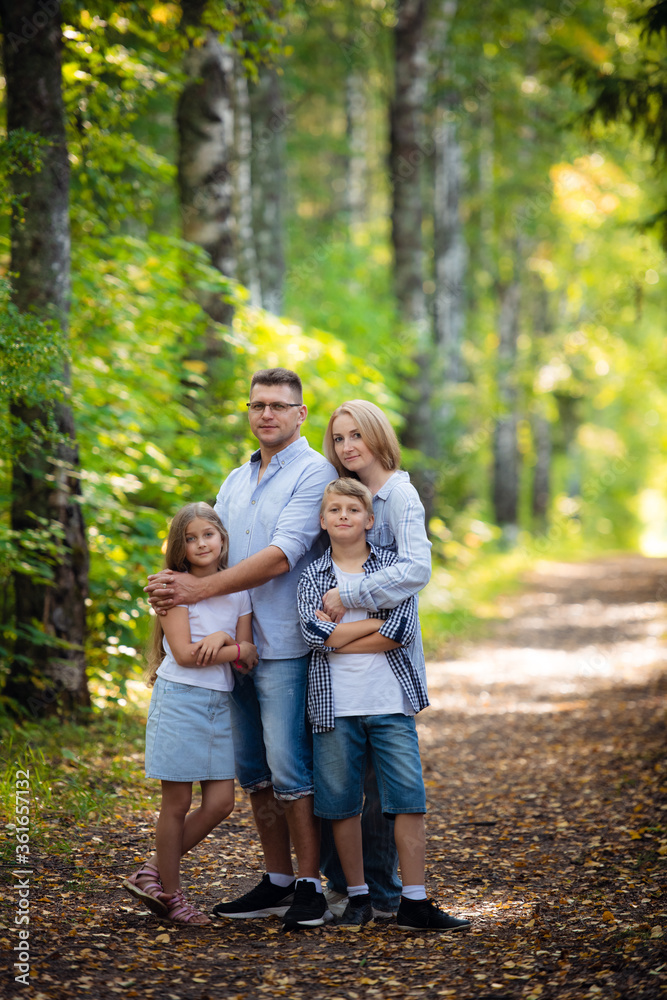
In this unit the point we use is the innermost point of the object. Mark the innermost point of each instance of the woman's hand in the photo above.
(322, 616)
(333, 606)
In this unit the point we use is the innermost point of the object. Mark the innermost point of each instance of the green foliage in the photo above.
(20, 153)
(32, 355)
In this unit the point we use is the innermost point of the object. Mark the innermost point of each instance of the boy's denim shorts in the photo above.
(340, 765)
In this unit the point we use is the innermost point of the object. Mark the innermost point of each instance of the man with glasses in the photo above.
(270, 508)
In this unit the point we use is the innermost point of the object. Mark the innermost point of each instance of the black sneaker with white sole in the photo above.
(309, 908)
(424, 915)
(265, 900)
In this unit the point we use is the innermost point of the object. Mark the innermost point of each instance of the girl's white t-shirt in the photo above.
(212, 615)
(364, 683)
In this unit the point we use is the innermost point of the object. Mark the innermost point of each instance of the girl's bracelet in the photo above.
(237, 661)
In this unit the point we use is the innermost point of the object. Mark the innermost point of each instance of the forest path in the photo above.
(575, 629)
(544, 761)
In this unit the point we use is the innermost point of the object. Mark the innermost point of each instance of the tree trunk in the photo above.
(45, 480)
(451, 253)
(205, 118)
(405, 161)
(269, 121)
(355, 181)
(450, 250)
(505, 449)
(247, 272)
(542, 472)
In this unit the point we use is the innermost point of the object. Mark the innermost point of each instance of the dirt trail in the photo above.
(544, 758)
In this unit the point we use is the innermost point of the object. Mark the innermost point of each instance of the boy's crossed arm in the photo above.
(370, 635)
(357, 637)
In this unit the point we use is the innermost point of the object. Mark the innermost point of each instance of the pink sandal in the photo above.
(149, 890)
(181, 912)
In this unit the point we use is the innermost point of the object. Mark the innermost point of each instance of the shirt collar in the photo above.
(287, 454)
(398, 476)
(371, 558)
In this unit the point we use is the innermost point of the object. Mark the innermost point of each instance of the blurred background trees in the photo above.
(453, 209)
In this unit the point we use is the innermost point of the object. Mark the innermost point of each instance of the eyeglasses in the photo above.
(274, 407)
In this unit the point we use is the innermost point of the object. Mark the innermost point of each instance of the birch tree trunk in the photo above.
(450, 249)
(247, 272)
(542, 472)
(205, 118)
(505, 449)
(355, 183)
(541, 426)
(405, 161)
(269, 121)
(451, 253)
(45, 479)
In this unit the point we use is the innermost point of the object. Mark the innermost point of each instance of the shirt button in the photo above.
(247, 531)
(253, 501)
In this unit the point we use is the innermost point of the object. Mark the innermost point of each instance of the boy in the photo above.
(363, 690)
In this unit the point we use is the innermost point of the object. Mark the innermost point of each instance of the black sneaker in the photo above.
(265, 900)
(357, 912)
(309, 908)
(424, 915)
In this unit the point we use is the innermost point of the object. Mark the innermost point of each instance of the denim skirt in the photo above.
(188, 733)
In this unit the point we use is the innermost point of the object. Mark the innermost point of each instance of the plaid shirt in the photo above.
(400, 624)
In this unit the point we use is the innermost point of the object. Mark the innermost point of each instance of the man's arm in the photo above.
(167, 588)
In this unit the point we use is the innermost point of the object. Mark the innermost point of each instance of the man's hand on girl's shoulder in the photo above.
(167, 588)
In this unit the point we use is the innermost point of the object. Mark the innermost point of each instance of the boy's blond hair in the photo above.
(348, 488)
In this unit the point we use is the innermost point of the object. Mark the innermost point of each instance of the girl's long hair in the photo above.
(376, 433)
(175, 559)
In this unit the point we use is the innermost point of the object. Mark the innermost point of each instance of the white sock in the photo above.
(357, 890)
(316, 882)
(413, 892)
(277, 878)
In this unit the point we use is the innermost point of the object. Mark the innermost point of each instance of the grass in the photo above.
(77, 774)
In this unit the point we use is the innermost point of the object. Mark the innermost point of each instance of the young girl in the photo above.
(361, 443)
(188, 733)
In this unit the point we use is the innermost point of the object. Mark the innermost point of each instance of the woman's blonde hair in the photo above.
(376, 432)
(176, 559)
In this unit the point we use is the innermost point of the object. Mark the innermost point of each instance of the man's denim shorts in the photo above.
(272, 738)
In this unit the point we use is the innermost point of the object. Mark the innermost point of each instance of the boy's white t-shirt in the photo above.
(216, 614)
(364, 683)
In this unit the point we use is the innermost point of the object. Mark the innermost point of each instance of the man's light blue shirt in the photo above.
(283, 509)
